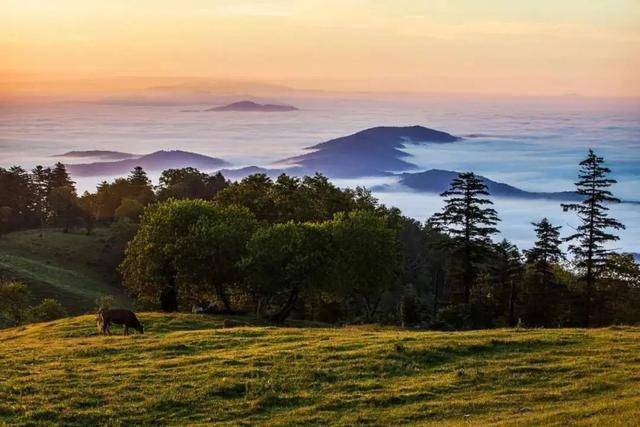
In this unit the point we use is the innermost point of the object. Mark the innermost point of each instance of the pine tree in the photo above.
(591, 235)
(59, 177)
(540, 285)
(138, 177)
(505, 273)
(469, 222)
(40, 181)
(546, 249)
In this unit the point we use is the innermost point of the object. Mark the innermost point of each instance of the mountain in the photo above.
(371, 152)
(254, 106)
(158, 161)
(98, 154)
(437, 181)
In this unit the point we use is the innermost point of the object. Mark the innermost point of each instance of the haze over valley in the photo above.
(533, 144)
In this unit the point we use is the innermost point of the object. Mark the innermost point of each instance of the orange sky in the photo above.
(538, 47)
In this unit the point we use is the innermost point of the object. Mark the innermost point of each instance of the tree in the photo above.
(283, 262)
(618, 292)
(59, 177)
(505, 272)
(544, 295)
(129, 208)
(254, 193)
(546, 248)
(49, 309)
(14, 301)
(40, 180)
(189, 183)
(141, 189)
(186, 249)
(367, 258)
(469, 223)
(592, 234)
(16, 199)
(64, 206)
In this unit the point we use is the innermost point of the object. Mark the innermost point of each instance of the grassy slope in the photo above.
(71, 267)
(186, 369)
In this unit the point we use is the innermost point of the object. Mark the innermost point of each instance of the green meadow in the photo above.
(73, 268)
(188, 369)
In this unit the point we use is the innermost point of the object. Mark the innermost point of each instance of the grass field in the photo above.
(186, 369)
(71, 267)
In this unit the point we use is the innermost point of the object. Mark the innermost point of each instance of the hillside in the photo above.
(187, 370)
(254, 107)
(371, 152)
(73, 268)
(437, 181)
(154, 162)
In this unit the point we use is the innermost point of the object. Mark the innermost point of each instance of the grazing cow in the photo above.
(118, 316)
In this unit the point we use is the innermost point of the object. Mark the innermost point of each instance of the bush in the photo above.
(14, 302)
(49, 309)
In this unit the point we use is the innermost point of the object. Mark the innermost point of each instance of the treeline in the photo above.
(308, 249)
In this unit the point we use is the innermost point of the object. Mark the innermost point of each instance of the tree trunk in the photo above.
(436, 289)
(169, 297)
(284, 312)
(512, 303)
(222, 295)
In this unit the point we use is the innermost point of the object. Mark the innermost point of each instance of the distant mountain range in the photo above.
(368, 153)
(437, 181)
(98, 154)
(371, 152)
(251, 106)
(157, 161)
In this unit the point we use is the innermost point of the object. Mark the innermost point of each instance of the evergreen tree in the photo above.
(141, 189)
(542, 292)
(40, 182)
(469, 222)
(546, 249)
(59, 177)
(591, 235)
(505, 272)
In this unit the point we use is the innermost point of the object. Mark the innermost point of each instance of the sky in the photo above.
(524, 47)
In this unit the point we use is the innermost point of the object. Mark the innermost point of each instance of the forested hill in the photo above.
(157, 161)
(371, 152)
(437, 181)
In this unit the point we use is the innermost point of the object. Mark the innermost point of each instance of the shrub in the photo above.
(49, 309)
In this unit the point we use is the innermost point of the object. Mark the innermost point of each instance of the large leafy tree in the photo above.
(189, 183)
(618, 292)
(128, 194)
(470, 222)
(594, 231)
(367, 259)
(185, 251)
(285, 262)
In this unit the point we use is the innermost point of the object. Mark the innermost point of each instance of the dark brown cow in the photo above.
(118, 316)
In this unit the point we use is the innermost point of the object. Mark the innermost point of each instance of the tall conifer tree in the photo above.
(467, 218)
(592, 234)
